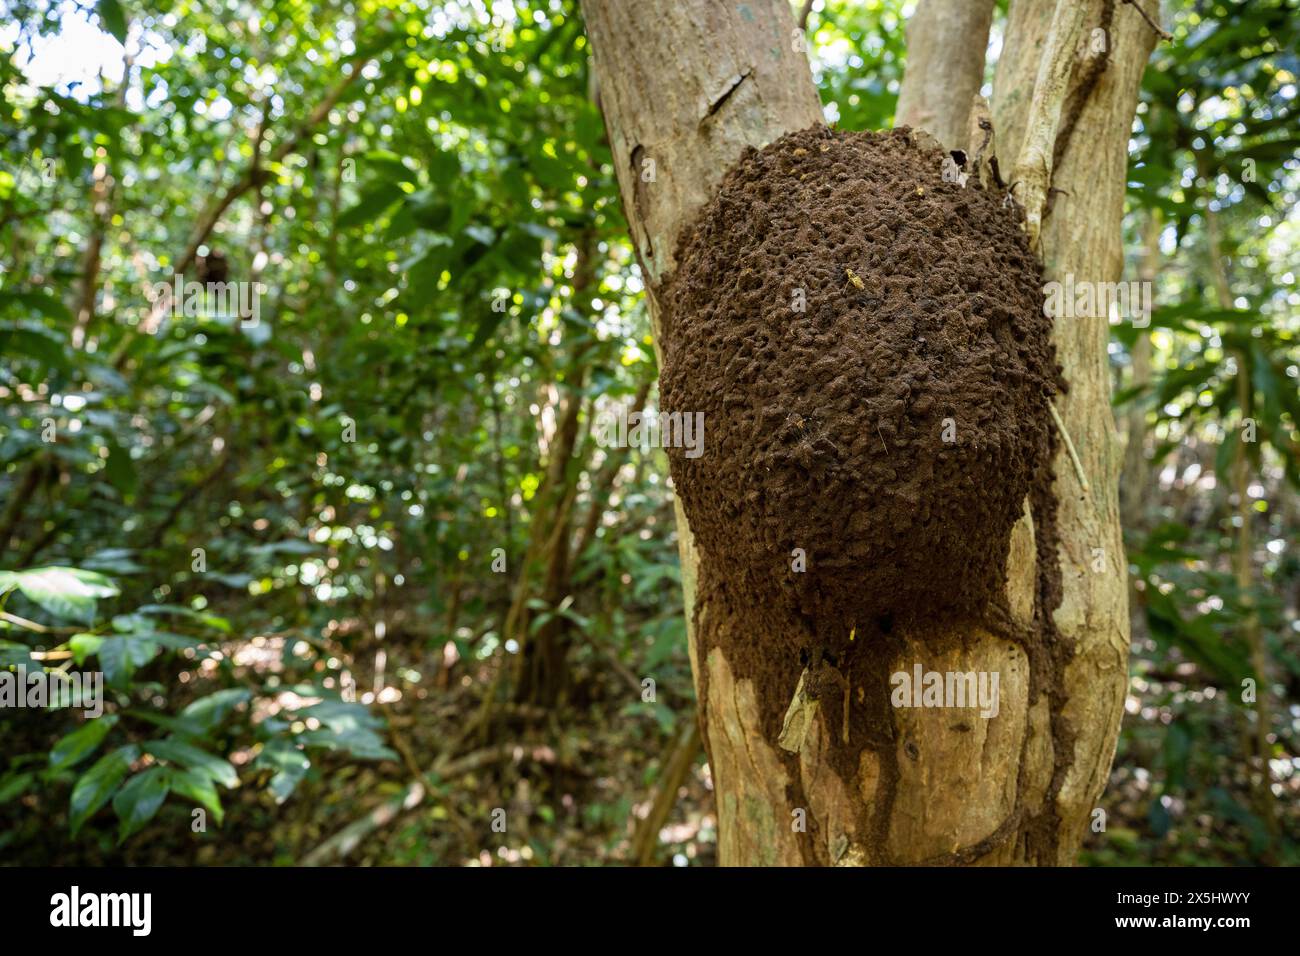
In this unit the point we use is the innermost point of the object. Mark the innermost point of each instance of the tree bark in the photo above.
(1020, 787)
(685, 88)
(1082, 236)
(946, 42)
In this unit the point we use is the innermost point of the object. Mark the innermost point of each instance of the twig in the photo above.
(1160, 31)
(346, 840)
(38, 628)
(1069, 445)
(804, 14)
(675, 768)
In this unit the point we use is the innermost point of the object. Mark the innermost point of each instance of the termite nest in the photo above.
(868, 346)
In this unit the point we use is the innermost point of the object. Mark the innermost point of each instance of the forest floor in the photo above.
(573, 784)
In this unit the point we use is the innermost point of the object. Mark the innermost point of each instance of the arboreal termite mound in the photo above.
(868, 346)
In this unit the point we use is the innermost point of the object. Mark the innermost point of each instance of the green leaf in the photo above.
(1178, 749)
(371, 206)
(121, 654)
(138, 801)
(187, 755)
(360, 743)
(120, 469)
(208, 620)
(177, 726)
(66, 592)
(288, 546)
(43, 303)
(290, 764)
(13, 654)
(176, 642)
(81, 743)
(99, 783)
(341, 715)
(83, 646)
(15, 785)
(197, 786)
(210, 711)
(1226, 452)
(113, 18)
(37, 344)
(113, 560)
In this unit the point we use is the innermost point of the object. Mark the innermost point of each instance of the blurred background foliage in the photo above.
(359, 573)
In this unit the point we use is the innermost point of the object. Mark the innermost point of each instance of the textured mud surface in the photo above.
(890, 429)
(868, 346)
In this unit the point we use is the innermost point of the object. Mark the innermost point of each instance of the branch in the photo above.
(1033, 169)
(346, 840)
(675, 767)
(38, 628)
(1161, 32)
(212, 214)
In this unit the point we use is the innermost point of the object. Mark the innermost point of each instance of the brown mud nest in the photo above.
(867, 344)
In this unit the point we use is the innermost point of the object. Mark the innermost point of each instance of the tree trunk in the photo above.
(946, 41)
(1243, 555)
(541, 665)
(684, 90)
(1083, 236)
(1136, 497)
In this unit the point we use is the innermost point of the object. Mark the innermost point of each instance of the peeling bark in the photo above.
(1032, 171)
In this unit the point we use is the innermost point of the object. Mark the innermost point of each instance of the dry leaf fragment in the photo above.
(799, 717)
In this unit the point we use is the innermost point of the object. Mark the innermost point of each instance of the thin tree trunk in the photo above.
(672, 774)
(541, 666)
(1243, 568)
(603, 484)
(1136, 485)
(946, 41)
